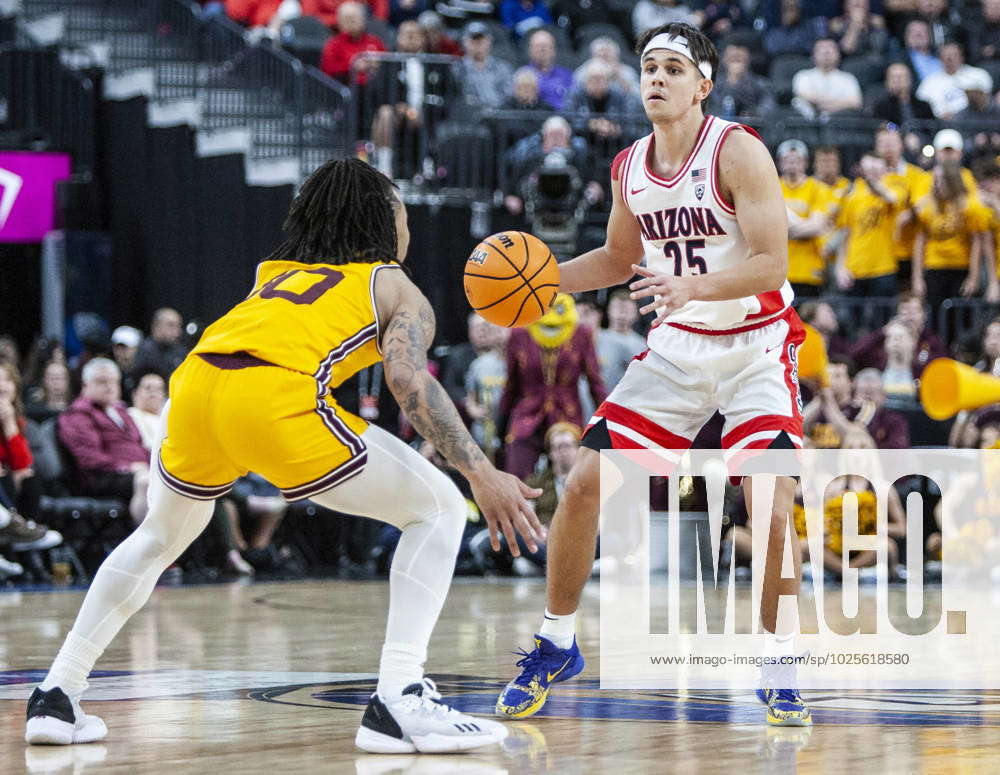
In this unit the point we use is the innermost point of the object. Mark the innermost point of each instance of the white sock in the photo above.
(72, 665)
(402, 664)
(559, 628)
(776, 646)
(4, 517)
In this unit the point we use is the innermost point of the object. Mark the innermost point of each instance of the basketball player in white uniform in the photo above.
(697, 202)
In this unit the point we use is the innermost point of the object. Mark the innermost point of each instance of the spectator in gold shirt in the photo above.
(866, 261)
(808, 204)
(826, 169)
(910, 183)
(951, 234)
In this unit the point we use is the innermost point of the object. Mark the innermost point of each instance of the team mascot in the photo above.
(545, 362)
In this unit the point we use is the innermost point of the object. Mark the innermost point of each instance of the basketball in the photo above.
(511, 278)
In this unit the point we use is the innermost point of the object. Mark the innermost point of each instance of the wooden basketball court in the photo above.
(272, 677)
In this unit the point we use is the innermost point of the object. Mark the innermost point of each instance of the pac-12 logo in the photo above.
(698, 177)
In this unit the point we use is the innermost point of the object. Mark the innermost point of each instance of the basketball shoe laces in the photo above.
(530, 660)
(785, 676)
(429, 700)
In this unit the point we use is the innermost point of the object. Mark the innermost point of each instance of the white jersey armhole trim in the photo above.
(727, 207)
(627, 173)
(371, 292)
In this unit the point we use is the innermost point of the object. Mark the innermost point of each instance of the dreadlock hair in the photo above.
(344, 213)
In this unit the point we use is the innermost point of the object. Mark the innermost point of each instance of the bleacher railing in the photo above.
(959, 318)
(408, 97)
(860, 315)
(293, 109)
(443, 106)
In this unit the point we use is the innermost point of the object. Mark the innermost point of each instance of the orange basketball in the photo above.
(511, 278)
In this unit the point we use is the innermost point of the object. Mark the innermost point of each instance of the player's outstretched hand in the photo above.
(674, 292)
(502, 498)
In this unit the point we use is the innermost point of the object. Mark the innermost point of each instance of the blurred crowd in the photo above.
(72, 449)
(923, 65)
(884, 245)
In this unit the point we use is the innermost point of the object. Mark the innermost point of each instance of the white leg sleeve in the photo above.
(127, 577)
(400, 487)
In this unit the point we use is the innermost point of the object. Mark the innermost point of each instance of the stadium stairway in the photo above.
(204, 71)
(193, 178)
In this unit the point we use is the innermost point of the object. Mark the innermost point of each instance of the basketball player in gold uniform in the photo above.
(254, 395)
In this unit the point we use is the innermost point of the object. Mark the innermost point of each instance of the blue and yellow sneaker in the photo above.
(545, 665)
(779, 691)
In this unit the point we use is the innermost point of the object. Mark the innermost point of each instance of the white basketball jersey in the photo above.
(689, 228)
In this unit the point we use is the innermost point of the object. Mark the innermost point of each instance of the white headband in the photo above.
(679, 45)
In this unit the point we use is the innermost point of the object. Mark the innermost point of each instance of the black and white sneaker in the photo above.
(56, 719)
(420, 722)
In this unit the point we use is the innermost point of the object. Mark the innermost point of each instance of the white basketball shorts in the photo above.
(747, 374)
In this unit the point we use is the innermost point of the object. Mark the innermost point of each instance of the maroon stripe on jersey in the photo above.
(338, 475)
(699, 142)
(195, 491)
(766, 422)
(323, 376)
(339, 428)
(716, 190)
(233, 361)
(635, 421)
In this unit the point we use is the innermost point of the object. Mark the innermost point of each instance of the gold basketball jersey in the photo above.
(317, 319)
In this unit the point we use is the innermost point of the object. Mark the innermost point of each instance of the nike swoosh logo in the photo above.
(769, 349)
(638, 190)
(11, 184)
(557, 672)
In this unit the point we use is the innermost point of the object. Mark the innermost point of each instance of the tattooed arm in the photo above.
(407, 330)
(428, 406)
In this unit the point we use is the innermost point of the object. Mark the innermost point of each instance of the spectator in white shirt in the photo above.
(824, 88)
(944, 89)
(623, 77)
(147, 403)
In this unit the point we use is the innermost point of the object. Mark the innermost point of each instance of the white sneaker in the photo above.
(420, 722)
(56, 719)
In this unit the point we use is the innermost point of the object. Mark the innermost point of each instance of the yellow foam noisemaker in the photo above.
(948, 386)
(812, 357)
